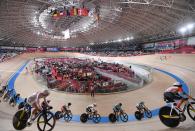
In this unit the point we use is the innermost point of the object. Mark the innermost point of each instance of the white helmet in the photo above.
(94, 104)
(177, 84)
(46, 92)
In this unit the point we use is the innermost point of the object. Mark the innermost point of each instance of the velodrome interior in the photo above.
(149, 44)
(151, 94)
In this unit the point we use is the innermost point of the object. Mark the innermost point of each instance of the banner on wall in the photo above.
(149, 46)
(167, 45)
(41, 49)
(69, 49)
(7, 47)
(191, 41)
(31, 49)
(52, 49)
(181, 42)
(19, 48)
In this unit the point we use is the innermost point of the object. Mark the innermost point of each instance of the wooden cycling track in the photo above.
(182, 65)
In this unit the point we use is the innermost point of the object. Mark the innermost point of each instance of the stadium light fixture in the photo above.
(183, 30)
(190, 26)
(66, 34)
(187, 29)
(128, 38)
(119, 40)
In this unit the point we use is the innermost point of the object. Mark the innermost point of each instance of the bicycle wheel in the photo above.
(124, 117)
(96, 118)
(83, 117)
(20, 119)
(148, 113)
(170, 121)
(58, 115)
(68, 116)
(112, 117)
(46, 121)
(191, 110)
(138, 115)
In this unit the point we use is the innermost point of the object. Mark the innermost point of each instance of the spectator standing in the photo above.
(92, 90)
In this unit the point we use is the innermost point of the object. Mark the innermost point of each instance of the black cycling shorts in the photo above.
(171, 97)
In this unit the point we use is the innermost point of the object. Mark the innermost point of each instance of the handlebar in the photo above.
(47, 107)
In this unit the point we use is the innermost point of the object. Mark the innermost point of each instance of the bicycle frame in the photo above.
(142, 108)
(36, 116)
(186, 103)
(39, 113)
(117, 114)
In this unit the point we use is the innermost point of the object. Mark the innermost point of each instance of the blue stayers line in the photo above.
(12, 79)
(104, 119)
(184, 85)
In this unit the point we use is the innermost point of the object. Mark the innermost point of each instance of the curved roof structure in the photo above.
(30, 23)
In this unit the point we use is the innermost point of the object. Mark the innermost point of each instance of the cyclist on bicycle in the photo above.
(3, 89)
(117, 108)
(91, 108)
(140, 106)
(44, 104)
(176, 92)
(34, 101)
(65, 108)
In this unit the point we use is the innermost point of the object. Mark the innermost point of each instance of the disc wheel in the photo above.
(191, 110)
(84, 118)
(138, 115)
(96, 118)
(20, 119)
(68, 116)
(46, 122)
(170, 121)
(112, 117)
(124, 117)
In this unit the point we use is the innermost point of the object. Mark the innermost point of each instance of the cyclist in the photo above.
(65, 108)
(15, 97)
(7, 93)
(3, 89)
(117, 108)
(91, 108)
(43, 104)
(34, 101)
(174, 93)
(140, 106)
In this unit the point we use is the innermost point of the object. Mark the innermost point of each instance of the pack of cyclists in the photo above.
(37, 100)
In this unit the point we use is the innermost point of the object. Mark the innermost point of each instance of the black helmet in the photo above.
(178, 84)
(120, 104)
(69, 104)
(25, 100)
